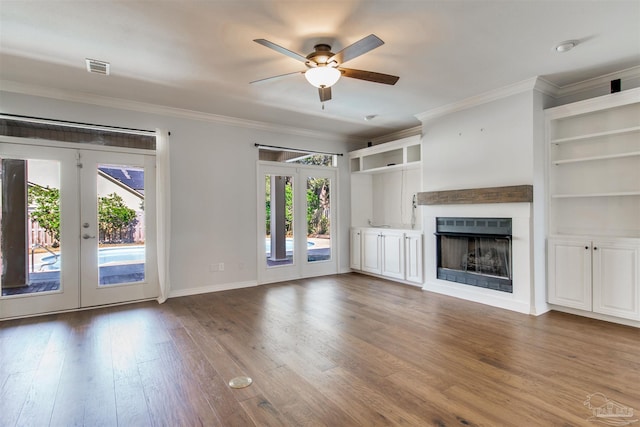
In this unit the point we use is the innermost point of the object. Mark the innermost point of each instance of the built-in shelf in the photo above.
(593, 158)
(390, 168)
(384, 181)
(401, 154)
(612, 194)
(596, 135)
(610, 234)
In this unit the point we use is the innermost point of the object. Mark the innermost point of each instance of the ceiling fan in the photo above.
(324, 68)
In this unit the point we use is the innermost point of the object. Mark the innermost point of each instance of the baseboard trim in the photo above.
(597, 316)
(380, 276)
(212, 288)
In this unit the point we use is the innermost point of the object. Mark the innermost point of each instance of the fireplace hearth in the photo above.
(475, 251)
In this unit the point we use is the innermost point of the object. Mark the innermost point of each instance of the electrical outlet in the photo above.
(221, 266)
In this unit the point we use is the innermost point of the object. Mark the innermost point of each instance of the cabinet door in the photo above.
(393, 254)
(371, 251)
(615, 279)
(355, 250)
(413, 257)
(570, 273)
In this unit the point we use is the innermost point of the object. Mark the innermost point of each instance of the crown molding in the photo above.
(413, 131)
(544, 86)
(598, 82)
(539, 84)
(483, 98)
(142, 107)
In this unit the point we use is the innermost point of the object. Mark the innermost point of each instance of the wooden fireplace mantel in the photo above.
(510, 194)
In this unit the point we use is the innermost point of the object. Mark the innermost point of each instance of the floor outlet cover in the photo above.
(240, 382)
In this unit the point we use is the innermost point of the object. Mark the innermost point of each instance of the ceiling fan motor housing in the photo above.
(320, 56)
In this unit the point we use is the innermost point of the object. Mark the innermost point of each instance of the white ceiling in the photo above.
(199, 55)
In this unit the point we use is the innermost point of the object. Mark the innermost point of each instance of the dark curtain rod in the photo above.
(67, 122)
(297, 150)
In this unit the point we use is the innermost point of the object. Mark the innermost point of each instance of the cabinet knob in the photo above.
(595, 248)
(586, 247)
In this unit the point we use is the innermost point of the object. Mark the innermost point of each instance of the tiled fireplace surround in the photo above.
(497, 205)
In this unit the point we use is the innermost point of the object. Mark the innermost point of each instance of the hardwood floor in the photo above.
(347, 350)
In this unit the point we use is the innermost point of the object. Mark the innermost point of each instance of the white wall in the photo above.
(392, 198)
(361, 199)
(213, 187)
(485, 146)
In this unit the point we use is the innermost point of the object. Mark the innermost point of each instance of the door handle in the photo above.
(86, 236)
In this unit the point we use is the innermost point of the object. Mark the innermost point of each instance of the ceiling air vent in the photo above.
(97, 67)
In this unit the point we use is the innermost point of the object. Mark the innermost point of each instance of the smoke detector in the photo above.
(97, 67)
(566, 46)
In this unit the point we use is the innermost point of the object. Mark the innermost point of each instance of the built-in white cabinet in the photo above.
(569, 278)
(395, 254)
(593, 152)
(595, 275)
(616, 284)
(355, 249)
(392, 254)
(413, 257)
(371, 250)
(385, 181)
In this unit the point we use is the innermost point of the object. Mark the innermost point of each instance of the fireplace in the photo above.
(475, 251)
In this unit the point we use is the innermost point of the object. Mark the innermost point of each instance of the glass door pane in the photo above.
(279, 220)
(121, 231)
(30, 226)
(318, 219)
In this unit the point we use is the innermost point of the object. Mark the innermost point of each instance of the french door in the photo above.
(296, 221)
(77, 228)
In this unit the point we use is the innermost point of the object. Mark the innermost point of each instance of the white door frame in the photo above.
(67, 297)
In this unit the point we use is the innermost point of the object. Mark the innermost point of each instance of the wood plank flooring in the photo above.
(345, 350)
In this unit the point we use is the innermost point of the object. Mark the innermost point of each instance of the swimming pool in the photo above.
(288, 245)
(106, 256)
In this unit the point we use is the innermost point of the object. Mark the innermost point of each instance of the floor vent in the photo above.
(97, 67)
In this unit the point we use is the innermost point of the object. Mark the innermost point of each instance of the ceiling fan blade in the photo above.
(325, 93)
(369, 76)
(356, 49)
(276, 77)
(281, 50)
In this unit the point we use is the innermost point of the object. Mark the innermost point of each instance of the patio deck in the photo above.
(48, 281)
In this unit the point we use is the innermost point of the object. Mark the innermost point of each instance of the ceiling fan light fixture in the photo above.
(322, 76)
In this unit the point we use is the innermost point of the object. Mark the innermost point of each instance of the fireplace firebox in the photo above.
(475, 251)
